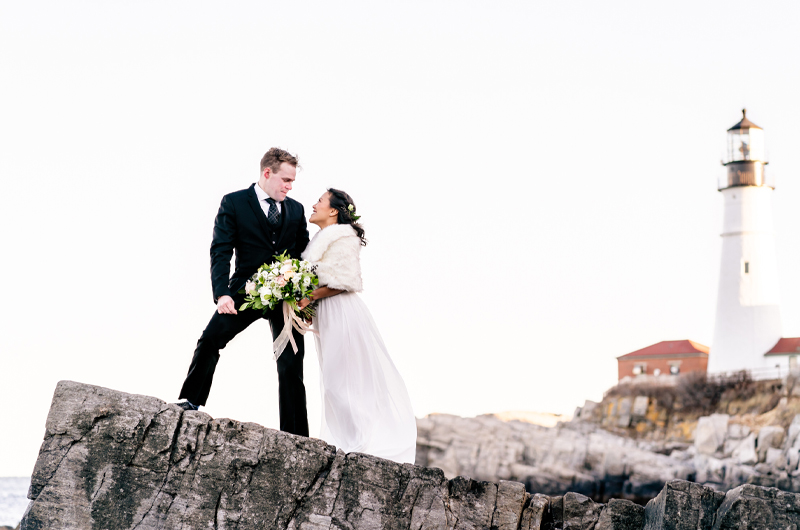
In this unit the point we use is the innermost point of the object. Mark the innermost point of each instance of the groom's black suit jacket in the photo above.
(242, 225)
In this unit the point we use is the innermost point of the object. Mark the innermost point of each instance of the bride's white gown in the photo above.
(365, 405)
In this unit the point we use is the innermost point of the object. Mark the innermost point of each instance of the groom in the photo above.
(258, 223)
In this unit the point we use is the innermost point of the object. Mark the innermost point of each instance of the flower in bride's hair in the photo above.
(351, 211)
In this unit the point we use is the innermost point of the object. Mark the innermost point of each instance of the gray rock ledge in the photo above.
(112, 460)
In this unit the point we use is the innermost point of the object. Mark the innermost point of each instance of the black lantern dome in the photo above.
(744, 123)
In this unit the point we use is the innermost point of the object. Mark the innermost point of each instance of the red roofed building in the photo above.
(786, 348)
(666, 357)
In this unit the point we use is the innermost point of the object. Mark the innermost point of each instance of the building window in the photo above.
(674, 367)
(639, 368)
(747, 267)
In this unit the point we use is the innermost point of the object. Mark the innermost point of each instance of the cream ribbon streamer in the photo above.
(290, 320)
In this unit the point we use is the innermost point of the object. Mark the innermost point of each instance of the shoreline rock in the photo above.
(719, 450)
(578, 457)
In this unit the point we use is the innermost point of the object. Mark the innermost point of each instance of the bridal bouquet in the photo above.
(286, 280)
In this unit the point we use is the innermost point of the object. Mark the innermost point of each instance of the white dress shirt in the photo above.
(262, 200)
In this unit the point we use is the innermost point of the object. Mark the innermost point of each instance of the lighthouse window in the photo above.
(747, 267)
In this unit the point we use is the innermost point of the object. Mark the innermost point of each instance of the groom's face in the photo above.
(279, 183)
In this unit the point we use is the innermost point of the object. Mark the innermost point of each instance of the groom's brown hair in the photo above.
(275, 157)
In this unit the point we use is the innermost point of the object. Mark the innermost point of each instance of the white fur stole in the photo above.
(335, 251)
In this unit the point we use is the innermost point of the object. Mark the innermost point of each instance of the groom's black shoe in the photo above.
(185, 405)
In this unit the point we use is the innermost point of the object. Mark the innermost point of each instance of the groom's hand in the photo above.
(225, 305)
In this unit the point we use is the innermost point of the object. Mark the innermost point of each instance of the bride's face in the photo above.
(323, 215)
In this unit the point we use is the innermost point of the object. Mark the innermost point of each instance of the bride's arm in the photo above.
(318, 294)
(324, 292)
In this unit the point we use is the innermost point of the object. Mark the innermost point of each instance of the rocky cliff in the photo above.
(722, 433)
(117, 461)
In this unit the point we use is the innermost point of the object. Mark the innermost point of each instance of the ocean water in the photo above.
(13, 499)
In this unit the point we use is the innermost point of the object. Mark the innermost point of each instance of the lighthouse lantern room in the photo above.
(746, 157)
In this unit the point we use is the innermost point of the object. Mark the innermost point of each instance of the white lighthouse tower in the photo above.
(748, 322)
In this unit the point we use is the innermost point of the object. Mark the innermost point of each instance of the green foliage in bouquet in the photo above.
(284, 280)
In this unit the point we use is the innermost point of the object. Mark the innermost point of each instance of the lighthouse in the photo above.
(748, 320)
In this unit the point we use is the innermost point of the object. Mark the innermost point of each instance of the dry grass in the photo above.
(748, 402)
(699, 394)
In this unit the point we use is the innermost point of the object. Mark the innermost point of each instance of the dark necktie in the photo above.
(273, 217)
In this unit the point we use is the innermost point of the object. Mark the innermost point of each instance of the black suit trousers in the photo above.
(220, 330)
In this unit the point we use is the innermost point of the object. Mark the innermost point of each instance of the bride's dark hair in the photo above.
(342, 202)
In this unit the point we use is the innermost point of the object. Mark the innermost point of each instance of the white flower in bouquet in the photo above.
(264, 289)
(288, 275)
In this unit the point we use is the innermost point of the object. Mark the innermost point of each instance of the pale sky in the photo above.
(537, 181)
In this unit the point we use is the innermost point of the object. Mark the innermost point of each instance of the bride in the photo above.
(365, 405)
